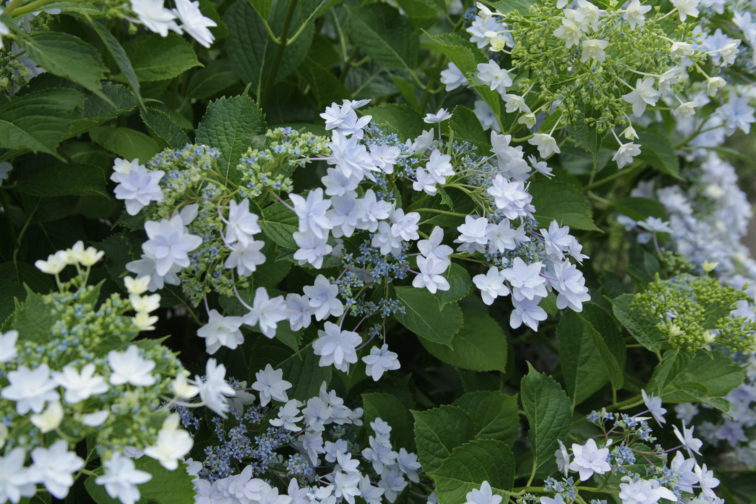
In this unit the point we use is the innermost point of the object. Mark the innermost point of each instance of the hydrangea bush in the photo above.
(405, 251)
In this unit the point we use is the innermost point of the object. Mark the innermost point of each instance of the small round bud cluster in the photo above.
(271, 166)
(697, 312)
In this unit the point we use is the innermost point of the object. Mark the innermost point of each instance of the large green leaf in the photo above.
(278, 223)
(659, 153)
(609, 341)
(305, 374)
(505, 6)
(229, 124)
(33, 318)
(38, 121)
(581, 360)
(466, 126)
(385, 35)
(125, 142)
(438, 431)
(16, 281)
(215, 78)
(423, 13)
(156, 58)
(480, 345)
(547, 408)
(120, 101)
(560, 201)
(70, 180)
(119, 55)
(324, 84)
(164, 127)
(393, 411)
(396, 118)
(469, 465)
(423, 316)
(252, 53)
(459, 50)
(303, 12)
(67, 56)
(460, 285)
(493, 413)
(701, 376)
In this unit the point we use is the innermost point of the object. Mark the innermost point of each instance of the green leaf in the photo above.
(67, 56)
(493, 413)
(164, 127)
(396, 118)
(279, 224)
(560, 201)
(229, 124)
(423, 316)
(66, 180)
(385, 35)
(480, 345)
(422, 13)
(581, 360)
(165, 487)
(393, 411)
(304, 12)
(291, 339)
(659, 153)
(125, 142)
(641, 328)
(251, 51)
(438, 431)
(466, 127)
(700, 376)
(548, 411)
(324, 84)
(119, 55)
(120, 101)
(38, 121)
(459, 50)
(608, 340)
(305, 374)
(640, 208)
(470, 465)
(460, 285)
(156, 58)
(16, 281)
(505, 6)
(33, 318)
(215, 78)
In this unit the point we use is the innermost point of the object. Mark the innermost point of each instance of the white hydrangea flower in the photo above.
(336, 347)
(194, 23)
(379, 361)
(130, 368)
(155, 16)
(121, 479)
(172, 443)
(270, 385)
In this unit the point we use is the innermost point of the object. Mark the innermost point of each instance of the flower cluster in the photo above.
(71, 370)
(354, 224)
(605, 65)
(624, 459)
(706, 220)
(312, 447)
